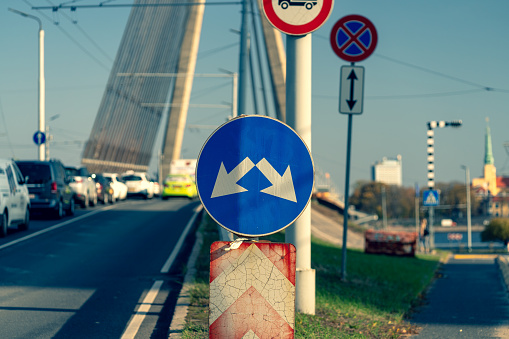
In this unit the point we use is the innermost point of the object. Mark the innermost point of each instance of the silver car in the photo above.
(83, 185)
(138, 185)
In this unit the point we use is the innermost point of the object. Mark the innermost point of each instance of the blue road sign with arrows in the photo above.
(430, 198)
(254, 175)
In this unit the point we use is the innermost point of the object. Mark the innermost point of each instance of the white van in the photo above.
(14, 198)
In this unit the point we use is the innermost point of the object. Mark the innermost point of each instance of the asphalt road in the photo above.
(100, 274)
(467, 300)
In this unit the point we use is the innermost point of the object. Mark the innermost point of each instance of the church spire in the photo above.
(488, 152)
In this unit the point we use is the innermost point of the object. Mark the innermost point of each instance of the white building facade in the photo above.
(388, 171)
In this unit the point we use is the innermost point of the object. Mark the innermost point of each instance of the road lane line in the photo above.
(137, 319)
(176, 250)
(54, 227)
(135, 323)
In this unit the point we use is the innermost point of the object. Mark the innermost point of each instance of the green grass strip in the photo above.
(378, 293)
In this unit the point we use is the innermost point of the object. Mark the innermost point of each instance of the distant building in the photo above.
(488, 183)
(388, 171)
(493, 191)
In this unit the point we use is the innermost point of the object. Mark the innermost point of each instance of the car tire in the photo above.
(3, 226)
(72, 206)
(85, 203)
(105, 201)
(59, 212)
(26, 222)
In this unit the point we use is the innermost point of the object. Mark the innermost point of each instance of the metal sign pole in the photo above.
(344, 35)
(347, 185)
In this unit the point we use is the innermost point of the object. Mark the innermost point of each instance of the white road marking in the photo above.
(54, 227)
(135, 323)
(176, 250)
(137, 319)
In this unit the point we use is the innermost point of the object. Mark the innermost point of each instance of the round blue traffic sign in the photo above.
(39, 138)
(254, 175)
(353, 38)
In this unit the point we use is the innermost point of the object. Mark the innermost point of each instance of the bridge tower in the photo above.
(141, 88)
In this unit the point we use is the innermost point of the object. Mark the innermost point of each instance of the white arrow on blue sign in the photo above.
(39, 138)
(254, 175)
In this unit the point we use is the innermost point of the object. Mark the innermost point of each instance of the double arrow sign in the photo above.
(352, 90)
(282, 185)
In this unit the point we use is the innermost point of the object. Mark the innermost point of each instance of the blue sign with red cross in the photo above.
(353, 38)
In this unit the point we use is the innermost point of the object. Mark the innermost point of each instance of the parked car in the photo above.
(157, 189)
(138, 185)
(105, 190)
(179, 185)
(14, 198)
(48, 187)
(119, 187)
(83, 186)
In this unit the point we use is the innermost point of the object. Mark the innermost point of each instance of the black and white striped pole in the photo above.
(431, 166)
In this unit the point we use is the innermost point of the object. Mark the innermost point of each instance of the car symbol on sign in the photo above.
(285, 3)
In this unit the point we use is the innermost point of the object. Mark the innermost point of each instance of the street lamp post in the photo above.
(49, 137)
(42, 86)
(469, 210)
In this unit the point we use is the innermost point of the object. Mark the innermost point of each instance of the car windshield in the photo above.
(37, 173)
(132, 178)
(178, 178)
(83, 172)
(71, 171)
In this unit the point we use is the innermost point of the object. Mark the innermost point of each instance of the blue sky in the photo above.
(434, 61)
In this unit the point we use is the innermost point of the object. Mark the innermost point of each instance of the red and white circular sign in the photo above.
(297, 17)
(353, 38)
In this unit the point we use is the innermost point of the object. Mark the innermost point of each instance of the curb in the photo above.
(178, 321)
(503, 265)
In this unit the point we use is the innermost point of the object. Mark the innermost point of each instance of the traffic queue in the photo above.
(50, 190)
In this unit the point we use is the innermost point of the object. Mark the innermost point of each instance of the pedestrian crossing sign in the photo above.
(430, 198)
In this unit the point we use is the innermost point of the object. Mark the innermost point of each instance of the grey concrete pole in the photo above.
(298, 116)
(243, 58)
(42, 93)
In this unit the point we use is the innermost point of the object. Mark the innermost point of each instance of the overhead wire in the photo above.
(480, 87)
(99, 62)
(425, 95)
(85, 34)
(441, 74)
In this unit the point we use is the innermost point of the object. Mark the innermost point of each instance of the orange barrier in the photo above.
(390, 242)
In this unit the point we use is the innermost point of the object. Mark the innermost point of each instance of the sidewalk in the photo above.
(468, 299)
